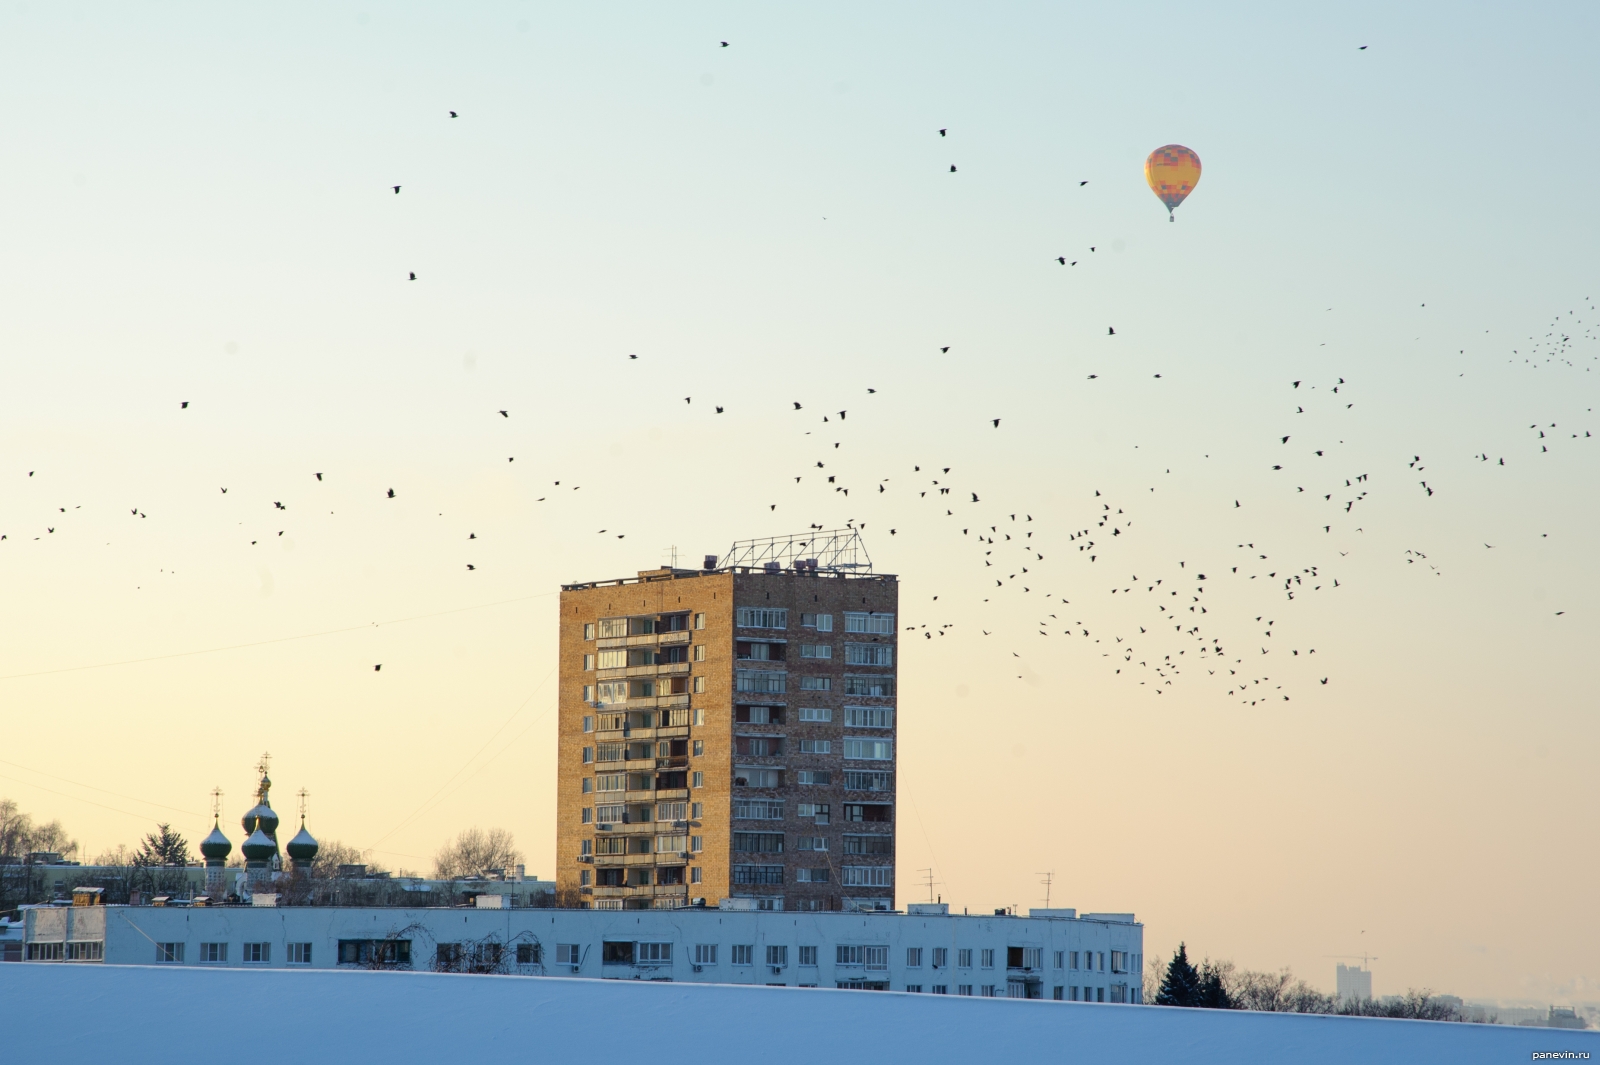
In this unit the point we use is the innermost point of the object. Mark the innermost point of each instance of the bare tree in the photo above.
(474, 853)
(332, 854)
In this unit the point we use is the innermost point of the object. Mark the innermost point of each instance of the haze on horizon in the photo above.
(199, 209)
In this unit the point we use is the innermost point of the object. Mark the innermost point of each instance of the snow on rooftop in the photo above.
(145, 1013)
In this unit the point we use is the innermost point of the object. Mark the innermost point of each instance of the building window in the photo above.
(567, 954)
(1101, 955)
(869, 876)
(868, 654)
(671, 844)
(257, 953)
(913, 957)
(881, 813)
(816, 650)
(815, 776)
(778, 956)
(615, 752)
(869, 717)
(809, 810)
(213, 952)
(815, 713)
(811, 876)
(588, 755)
(816, 746)
(941, 958)
(751, 777)
(88, 950)
(654, 952)
(588, 661)
(875, 845)
(758, 617)
(988, 991)
(1073, 956)
(987, 959)
(586, 846)
(583, 878)
(672, 811)
(299, 953)
(766, 681)
(816, 684)
(861, 780)
(820, 622)
(758, 874)
(697, 844)
(743, 954)
(941, 989)
(868, 750)
(588, 723)
(698, 779)
(758, 810)
(699, 621)
(881, 687)
(914, 988)
(697, 810)
(849, 955)
(699, 652)
(528, 954)
(588, 815)
(694, 875)
(705, 954)
(873, 623)
(1060, 961)
(758, 842)
(169, 952)
(588, 693)
(610, 782)
(699, 748)
(588, 630)
(964, 959)
(808, 956)
(963, 989)
(700, 689)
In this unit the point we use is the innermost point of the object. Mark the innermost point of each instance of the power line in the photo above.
(91, 787)
(280, 639)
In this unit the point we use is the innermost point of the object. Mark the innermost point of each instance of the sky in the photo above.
(1391, 752)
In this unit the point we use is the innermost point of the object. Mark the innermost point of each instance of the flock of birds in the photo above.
(1154, 626)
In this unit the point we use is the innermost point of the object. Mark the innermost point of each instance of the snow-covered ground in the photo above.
(137, 1014)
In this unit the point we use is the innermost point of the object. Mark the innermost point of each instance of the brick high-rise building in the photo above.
(730, 732)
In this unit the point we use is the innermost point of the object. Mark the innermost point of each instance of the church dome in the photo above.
(303, 848)
(216, 845)
(259, 847)
(261, 816)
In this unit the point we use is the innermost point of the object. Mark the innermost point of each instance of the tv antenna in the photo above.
(1049, 878)
(1364, 958)
(928, 881)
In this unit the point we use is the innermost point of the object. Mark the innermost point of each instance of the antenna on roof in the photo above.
(838, 551)
(1049, 878)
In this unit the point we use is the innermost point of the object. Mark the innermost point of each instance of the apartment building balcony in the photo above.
(642, 889)
(640, 764)
(611, 643)
(671, 793)
(667, 701)
(625, 859)
(672, 667)
(676, 762)
(620, 828)
(669, 638)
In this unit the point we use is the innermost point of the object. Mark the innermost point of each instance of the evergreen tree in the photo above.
(1212, 992)
(1181, 986)
(162, 847)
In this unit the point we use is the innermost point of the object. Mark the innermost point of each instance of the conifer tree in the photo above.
(1181, 986)
(1212, 993)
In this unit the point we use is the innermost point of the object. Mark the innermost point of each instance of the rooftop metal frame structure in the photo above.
(833, 551)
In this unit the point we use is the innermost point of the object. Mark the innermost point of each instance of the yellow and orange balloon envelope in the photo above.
(1172, 171)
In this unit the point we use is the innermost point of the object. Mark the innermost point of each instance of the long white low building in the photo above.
(1054, 954)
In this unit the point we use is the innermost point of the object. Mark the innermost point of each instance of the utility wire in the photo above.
(280, 639)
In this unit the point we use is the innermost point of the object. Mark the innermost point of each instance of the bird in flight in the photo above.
(391, 493)
(380, 664)
(724, 44)
(997, 423)
(184, 405)
(397, 190)
(413, 276)
(1081, 184)
(1110, 332)
(942, 132)
(319, 476)
(633, 356)
(952, 168)
(1062, 259)
(503, 414)
(452, 114)
(945, 348)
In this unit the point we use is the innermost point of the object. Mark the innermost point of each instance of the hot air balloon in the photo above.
(1172, 171)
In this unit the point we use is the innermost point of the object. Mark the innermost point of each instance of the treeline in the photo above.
(1222, 986)
(160, 862)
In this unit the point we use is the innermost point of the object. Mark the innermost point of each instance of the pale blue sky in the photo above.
(197, 207)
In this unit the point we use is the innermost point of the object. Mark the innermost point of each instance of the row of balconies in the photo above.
(641, 889)
(619, 672)
(662, 639)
